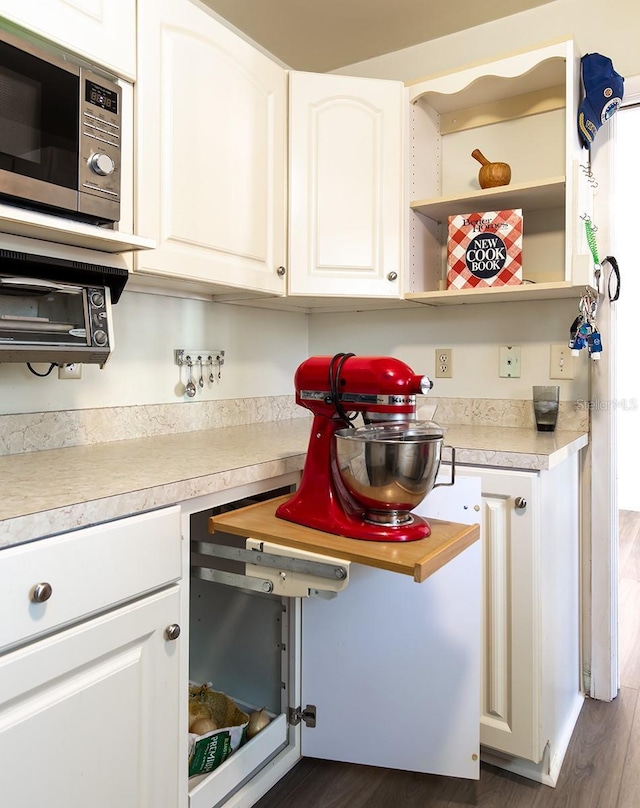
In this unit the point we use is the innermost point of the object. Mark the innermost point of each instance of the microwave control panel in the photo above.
(100, 145)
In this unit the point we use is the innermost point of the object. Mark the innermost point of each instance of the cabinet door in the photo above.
(89, 717)
(393, 666)
(102, 32)
(511, 682)
(346, 186)
(211, 152)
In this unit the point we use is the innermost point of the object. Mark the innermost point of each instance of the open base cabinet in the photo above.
(389, 668)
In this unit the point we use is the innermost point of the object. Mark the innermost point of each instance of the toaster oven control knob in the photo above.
(97, 300)
(100, 337)
(101, 164)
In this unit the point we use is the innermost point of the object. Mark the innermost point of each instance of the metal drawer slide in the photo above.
(277, 570)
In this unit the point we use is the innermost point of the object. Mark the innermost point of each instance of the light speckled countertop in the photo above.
(61, 489)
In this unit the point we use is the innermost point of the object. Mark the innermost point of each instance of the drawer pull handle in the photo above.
(172, 632)
(520, 503)
(41, 592)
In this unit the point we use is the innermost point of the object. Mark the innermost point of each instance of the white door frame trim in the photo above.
(605, 675)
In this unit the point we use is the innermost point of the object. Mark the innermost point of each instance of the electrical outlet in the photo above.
(562, 363)
(509, 362)
(71, 371)
(444, 363)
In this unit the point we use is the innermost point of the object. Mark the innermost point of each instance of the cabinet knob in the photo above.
(392, 276)
(172, 632)
(41, 592)
(281, 271)
(520, 503)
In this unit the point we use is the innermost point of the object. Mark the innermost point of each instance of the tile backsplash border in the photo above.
(31, 432)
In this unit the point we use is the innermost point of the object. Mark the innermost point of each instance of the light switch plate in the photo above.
(561, 363)
(509, 362)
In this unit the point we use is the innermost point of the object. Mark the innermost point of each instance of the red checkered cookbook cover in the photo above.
(484, 249)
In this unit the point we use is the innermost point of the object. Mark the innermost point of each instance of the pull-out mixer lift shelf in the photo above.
(419, 559)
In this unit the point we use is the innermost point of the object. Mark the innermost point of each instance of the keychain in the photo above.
(584, 331)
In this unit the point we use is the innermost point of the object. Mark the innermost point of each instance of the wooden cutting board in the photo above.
(420, 559)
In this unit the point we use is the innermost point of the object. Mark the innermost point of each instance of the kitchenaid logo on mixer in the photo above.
(400, 401)
(486, 255)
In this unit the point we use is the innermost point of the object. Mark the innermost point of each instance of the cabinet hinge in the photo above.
(308, 715)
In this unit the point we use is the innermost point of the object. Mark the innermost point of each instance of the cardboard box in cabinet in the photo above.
(484, 249)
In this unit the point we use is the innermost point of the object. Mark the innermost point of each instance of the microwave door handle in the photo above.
(39, 284)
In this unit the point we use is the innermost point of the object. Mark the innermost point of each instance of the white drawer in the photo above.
(88, 570)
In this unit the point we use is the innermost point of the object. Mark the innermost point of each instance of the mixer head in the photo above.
(380, 387)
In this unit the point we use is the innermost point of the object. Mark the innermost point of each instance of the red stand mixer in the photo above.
(361, 483)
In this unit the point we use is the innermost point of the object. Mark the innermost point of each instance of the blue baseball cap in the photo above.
(603, 89)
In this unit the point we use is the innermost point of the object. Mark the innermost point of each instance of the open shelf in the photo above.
(500, 107)
(526, 195)
(505, 294)
(33, 224)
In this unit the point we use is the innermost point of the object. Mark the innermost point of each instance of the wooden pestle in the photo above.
(491, 174)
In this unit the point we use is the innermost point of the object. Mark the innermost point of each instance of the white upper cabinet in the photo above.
(211, 176)
(211, 152)
(346, 186)
(102, 31)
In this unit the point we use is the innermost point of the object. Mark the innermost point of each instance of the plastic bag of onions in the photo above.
(217, 727)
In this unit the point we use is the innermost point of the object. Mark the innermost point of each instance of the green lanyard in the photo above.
(593, 247)
(591, 241)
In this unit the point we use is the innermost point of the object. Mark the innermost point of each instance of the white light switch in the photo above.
(509, 362)
(562, 362)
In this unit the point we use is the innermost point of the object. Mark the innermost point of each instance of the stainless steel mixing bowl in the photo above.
(389, 468)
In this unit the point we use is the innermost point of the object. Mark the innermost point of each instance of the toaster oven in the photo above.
(56, 311)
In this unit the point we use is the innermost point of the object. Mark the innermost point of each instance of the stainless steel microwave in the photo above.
(60, 134)
(58, 311)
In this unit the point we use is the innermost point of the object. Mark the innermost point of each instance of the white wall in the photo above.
(473, 332)
(263, 348)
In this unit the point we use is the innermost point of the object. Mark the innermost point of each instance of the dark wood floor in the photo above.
(601, 768)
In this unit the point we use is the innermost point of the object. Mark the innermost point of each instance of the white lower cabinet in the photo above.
(90, 716)
(90, 667)
(388, 668)
(531, 682)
